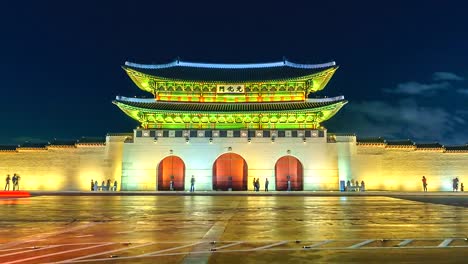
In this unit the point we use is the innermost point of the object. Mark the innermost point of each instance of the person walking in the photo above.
(192, 184)
(254, 184)
(7, 182)
(257, 184)
(462, 188)
(15, 181)
(455, 184)
(424, 183)
(92, 185)
(18, 179)
(266, 184)
(115, 186)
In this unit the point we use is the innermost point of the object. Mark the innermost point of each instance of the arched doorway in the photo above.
(230, 171)
(171, 167)
(291, 167)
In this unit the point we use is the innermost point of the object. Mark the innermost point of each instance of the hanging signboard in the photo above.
(230, 88)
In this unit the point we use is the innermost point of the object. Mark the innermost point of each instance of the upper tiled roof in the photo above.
(225, 107)
(190, 71)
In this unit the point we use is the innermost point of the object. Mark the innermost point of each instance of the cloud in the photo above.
(446, 76)
(441, 81)
(463, 91)
(416, 88)
(403, 119)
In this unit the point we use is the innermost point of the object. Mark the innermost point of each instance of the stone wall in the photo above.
(134, 163)
(402, 169)
(57, 168)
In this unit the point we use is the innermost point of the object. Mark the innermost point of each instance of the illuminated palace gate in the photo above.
(291, 167)
(224, 101)
(171, 167)
(230, 171)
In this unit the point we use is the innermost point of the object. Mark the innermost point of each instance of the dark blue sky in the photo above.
(403, 65)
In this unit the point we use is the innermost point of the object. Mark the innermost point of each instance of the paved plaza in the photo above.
(244, 228)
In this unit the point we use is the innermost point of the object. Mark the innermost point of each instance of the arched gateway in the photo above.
(171, 167)
(230, 171)
(289, 167)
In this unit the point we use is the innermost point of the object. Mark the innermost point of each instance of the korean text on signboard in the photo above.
(230, 88)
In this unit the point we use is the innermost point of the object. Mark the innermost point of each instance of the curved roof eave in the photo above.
(230, 66)
(287, 79)
(336, 105)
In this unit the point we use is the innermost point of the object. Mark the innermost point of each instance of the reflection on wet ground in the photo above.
(181, 229)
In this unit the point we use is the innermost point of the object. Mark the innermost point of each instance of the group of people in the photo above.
(104, 186)
(256, 184)
(352, 185)
(15, 180)
(455, 182)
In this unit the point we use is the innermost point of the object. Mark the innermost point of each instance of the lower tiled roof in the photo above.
(371, 140)
(457, 148)
(91, 140)
(227, 107)
(428, 145)
(400, 143)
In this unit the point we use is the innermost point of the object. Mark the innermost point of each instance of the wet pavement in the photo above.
(234, 229)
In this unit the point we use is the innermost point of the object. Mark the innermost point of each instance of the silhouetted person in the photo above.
(7, 182)
(192, 184)
(363, 186)
(96, 186)
(424, 183)
(115, 185)
(108, 185)
(455, 184)
(103, 185)
(266, 184)
(462, 188)
(92, 185)
(257, 184)
(15, 181)
(254, 184)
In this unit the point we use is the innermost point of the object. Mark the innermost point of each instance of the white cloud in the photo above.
(415, 88)
(463, 91)
(401, 120)
(446, 76)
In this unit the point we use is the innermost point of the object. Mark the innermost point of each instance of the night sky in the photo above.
(403, 65)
